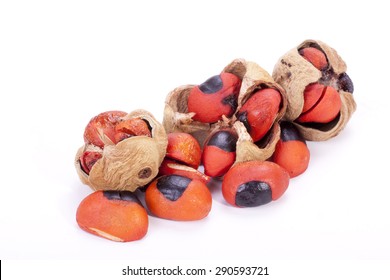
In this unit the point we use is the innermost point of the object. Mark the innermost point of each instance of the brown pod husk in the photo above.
(294, 73)
(253, 77)
(246, 150)
(129, 164)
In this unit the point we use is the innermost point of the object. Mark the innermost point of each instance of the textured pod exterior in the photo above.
(117, 216)
(295, 72)
(254, 183)
(129, 164)
(178, 198)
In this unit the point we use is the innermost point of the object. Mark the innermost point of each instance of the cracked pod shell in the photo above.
(294, 73)
(129, 164)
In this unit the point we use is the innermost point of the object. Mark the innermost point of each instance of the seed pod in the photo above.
(177, 116)
(254, 183)
(118, 216)
(291, 151)
(219, 152)
(128, 164)
(178, 198)
(318, 90)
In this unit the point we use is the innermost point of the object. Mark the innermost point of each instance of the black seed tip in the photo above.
(224, 140)
(243, 117)
(231, 100)
(345, 83)
(173, 186)
(212, 85)
(121, 195)
(289, 132)
(253, 193)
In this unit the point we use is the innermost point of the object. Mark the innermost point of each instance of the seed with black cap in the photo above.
(214, 98)
(178, 198)
(291, 151)
(259, 112)
(219, 152)
(115, 215)
(254, 183)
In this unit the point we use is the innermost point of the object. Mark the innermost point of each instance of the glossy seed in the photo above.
(325, 109)
(259, 112)
(118, 216)
(251, 183)
(291, 151)
(214, 98)
(219, 153)
(178, 198)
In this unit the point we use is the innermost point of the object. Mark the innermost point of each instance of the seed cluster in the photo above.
(247, 129)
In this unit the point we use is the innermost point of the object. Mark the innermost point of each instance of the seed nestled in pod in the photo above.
(215, 98)
(254, 183)
(318, 90)
(253, 79)
(219, 152)
(259, 112)
(101, 129)
(291, 151)
(121, 151)
(115, 215)
(178, 198)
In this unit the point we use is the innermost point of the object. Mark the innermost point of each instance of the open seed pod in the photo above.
(178, 117)
(318, 90)
(255, 79)
(121, 151)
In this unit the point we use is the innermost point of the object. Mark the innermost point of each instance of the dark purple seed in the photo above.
(253, 193)
(289, 132)
(345, 83)
(173, 186)
(212, 85)
(224, 140)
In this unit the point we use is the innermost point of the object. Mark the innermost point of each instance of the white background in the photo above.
(63, 62)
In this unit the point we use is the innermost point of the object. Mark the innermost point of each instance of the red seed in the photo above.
(315, 57)
(250, 177)
(214, 98)
(259, 112)
(101, 128)
(178, 198)
(326, 109)
(117, 216)
(184, 148)
(88, 159)
(131, 127)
